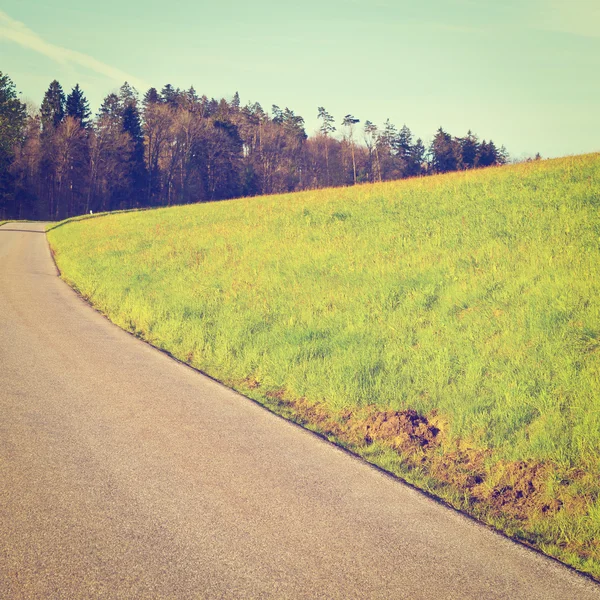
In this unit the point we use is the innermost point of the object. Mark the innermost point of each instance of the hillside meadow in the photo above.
(445, 328)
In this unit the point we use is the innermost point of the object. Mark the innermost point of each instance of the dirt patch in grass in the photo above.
(513, 496)
(461, 466)
(521, 491)
(404, 431)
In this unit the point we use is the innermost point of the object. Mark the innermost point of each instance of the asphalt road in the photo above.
(124, 474)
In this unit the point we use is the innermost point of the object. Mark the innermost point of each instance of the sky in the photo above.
(525, 73)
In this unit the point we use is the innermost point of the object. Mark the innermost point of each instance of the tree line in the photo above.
(176, 147)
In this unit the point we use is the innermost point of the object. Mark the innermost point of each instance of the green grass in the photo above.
(475, 294)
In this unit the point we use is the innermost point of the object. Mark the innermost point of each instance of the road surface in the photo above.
(125, 474)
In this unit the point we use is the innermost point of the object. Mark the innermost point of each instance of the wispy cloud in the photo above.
(19, 33)
(577, 17)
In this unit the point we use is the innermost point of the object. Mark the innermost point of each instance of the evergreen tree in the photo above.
(371, 133)
(223, 110)
(418, 156)
(403, 150)
(211, 107)
(132, 125)
(258, 112)
(53, 106)
(52, 113)
(169, 94)
(151, 97)
(488, 154)
(386, 141)
(12, 121)
(443, 152)
(403, 143)
(277, 114)
(469, 150)
(390, 133)
(349, 121)
(503, 156)
(78, 107)
(110, 107)
(128, 95)
(327, 127)
(192, 97)
(12, 117)
(294, 124)
(221, 159)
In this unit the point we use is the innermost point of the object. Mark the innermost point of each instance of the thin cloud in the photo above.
(19, 33)
(577, 17)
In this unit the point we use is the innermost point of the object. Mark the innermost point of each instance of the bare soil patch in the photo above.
(517, 494)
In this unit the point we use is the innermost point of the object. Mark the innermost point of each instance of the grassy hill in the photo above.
(446, 328)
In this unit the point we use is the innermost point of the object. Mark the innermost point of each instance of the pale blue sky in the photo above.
(523, 72)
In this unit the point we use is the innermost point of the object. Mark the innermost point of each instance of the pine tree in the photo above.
(371, 134)
(132, 125)
(277, 114)
(128, 95)
(443, 152)
(327, 128)
(418, 156)
(192, 97)
(78, 107)
(151, 97)
(53, 106)
(488, 155)
(12, 121)
(110, 107)
(403, 150)
(235, 102)
(294, 124)
(403, 142)
(349, 121)
(258, 111)
(223, 111)
(170, 95)
(469, 150)
(211, 107)
(12, 117)
(503, 155)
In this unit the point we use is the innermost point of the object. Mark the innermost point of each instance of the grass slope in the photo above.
(470, 298)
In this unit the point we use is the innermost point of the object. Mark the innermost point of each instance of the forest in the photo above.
(177, 147)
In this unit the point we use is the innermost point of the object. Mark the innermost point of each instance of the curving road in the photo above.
(124, 474)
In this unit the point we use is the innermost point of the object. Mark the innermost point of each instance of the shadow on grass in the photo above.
(77, 218)
(85, 217)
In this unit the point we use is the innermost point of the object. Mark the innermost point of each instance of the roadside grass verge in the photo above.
(446, 328)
